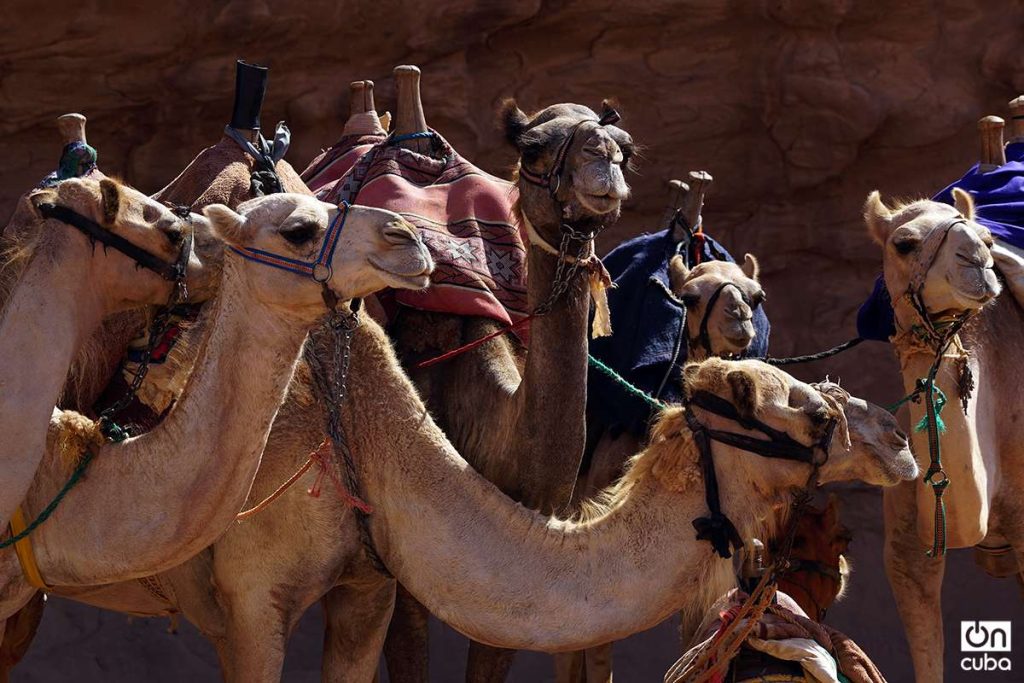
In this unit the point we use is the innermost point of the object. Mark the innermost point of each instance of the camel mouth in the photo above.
(599, 204)
(397, 280)
(899, 468)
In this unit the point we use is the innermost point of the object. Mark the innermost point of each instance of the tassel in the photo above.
(600, 281)
(940, 403)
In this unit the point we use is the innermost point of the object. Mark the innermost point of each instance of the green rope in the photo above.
(939, 399)
(626, 386)
(76, 476)
(114, 433)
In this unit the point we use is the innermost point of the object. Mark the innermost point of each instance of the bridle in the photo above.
(568, 264)
(319, 269)
(823, 569)
(171, 271)
(717, 528)
(703, 336)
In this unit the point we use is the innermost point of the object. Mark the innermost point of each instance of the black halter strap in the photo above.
(717, 528)
(703, 337)
(552, 179)
(174, 272)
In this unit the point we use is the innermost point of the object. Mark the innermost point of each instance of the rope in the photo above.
(821, 355)
(72, 481)
(625, 385)
(279, 491)
(395, 139)
(447, 355)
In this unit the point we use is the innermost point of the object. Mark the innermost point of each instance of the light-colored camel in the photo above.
(981, 450)
(61, 288)
(259, 319)
(452, 537)
(499, 403)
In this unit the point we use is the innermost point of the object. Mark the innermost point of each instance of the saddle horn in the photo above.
(1017, 119)
(250, 90)
(693, 205)
(992, 153)
(72, 128)
(362, 117)
(409, 118)
(677, 191)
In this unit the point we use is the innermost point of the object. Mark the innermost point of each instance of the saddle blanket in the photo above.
(337, 159)
(467, 220)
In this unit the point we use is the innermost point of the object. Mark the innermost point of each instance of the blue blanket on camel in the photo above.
(646, 325)
(999, 205)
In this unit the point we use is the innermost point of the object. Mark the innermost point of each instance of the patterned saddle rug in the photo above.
(466, 217)
(338, 159)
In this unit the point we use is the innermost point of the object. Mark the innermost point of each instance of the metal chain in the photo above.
(332, 385)
(567, 267)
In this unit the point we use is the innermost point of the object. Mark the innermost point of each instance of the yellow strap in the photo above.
(26, 557)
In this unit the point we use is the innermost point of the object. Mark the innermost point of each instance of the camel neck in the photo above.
(154, 501)
(494, 570)
(552, 395)
(44, 323)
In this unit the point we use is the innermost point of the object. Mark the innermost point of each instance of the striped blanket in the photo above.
(467, 222)
(337, 159)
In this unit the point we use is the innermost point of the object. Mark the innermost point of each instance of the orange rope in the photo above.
(475, 343)
(263, 504)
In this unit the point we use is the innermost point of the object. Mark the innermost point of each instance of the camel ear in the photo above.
(514, 121)
(227, 224)
(677, 274)
(878, 217)
(110, 195)
(744, 392)
(964, 203)
(751, 268)
(40, 197)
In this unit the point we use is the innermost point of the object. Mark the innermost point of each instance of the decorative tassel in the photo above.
(940, 403)
(600, 281)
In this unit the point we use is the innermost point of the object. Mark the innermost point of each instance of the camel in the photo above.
(487, 399)
(259, 318)
(410, 473)
(952, 258)
(51, 261)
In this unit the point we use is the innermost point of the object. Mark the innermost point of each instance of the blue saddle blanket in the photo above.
(999, 206)
(646, 325)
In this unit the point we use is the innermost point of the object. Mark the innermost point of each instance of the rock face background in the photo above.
(798, 108)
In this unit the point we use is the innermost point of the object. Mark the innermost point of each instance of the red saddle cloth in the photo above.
(337, 159)
(467, 221)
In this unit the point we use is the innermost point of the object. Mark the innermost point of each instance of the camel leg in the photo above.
(599, 663)
(569, 667)
(916, 581)
(488, 664)
(357, 619)
(257, 634)
(406, 646)
(17, 633)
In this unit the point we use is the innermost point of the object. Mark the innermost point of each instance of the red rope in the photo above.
(475, 343)
(320, 456)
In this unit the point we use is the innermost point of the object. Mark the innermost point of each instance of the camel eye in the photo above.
(757, 299)
(300, 234)
(690, 300)
(905, 245)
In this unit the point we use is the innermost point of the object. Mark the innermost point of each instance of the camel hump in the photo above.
(990, 129)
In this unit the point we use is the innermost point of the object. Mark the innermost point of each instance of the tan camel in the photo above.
(952, 255)
(259, 319)
(451, 536)
(50, 262)
(487, 400)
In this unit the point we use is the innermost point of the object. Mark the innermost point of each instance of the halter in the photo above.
(552, 179)
(718, 529)
(320, 269)
(172, 272)
(703, 338)
(932, 333)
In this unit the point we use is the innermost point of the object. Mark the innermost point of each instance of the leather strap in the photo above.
(26, 556)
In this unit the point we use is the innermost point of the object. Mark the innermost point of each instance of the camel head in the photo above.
(375, 249)
(128, 213)
(866, 443)
(729, 321)
(820, 571)
(960, 276)
(586, 186)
